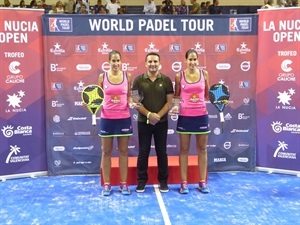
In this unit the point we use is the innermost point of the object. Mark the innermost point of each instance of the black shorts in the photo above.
(115, 127)
(193, 125)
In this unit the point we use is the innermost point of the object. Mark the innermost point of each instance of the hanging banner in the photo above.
(278, 89)
(22, 106)
(76, 51)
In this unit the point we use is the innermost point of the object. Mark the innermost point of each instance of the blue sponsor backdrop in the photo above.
(76, 51)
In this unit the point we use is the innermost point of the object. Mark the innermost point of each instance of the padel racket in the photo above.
(93, 96)
(219, 97)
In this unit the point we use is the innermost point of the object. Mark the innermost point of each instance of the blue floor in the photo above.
(235, 198)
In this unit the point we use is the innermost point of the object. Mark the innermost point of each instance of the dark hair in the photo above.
(188, 52)
(114, 52)
(152, 53)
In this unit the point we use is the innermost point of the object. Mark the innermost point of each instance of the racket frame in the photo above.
(93, 108)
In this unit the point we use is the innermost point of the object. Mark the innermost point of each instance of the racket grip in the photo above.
(94, 120)
(222, 117)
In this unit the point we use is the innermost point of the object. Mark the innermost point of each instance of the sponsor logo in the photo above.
(244, 84)
(78, 103)
(176, 66)
(171, 146)
(213, 116)
(9, 131)
(57, 163)
(58, 134)
(242, 116)
(174, 117)
(54, 67)
(285, 98)
(220, 48)
(246, 101)
(60, 24)
(245, 66)
(243, 49)
(76, 118)
(242, 159)
(59, 148)
(57, 86)
(280, 151)
(217, 131)
(82, 48)
(239, 131)
(219, 159)
(171, 131)
(14, 101)
(285, 65)
(104, 49)
(82, 133)
(198, 48)
(13, 67)
(57, 50)
(89, 148)
(57, 104)
(151, 48)
(223, 66)
(81, 162)
(128, 48)
(175, 48)
(79, 87)
(243, 145)
(287, 74)
(15, 157)
(278, 127)
(56, 118)
(83, 67)
(240, 24)
(16, 77)
(227, 145)
(228, 116)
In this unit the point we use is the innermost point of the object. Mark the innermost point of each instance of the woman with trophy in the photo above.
(191, 90)
(115, 120)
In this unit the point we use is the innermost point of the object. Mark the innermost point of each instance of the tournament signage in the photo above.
(137, 25)
(278, 90)
(22, 112)
(76, 51)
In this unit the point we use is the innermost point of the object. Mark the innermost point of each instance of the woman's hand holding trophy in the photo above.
(174, 106)
(136, 99)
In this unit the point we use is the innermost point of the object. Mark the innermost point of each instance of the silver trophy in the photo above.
(136, 97)
(174, 106)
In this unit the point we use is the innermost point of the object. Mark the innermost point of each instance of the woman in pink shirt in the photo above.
(115, 120)
(191, 86)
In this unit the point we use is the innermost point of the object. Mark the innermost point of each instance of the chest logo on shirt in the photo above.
(194, 98)
(115, 99)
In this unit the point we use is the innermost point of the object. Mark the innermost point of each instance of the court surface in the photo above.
(235, 198)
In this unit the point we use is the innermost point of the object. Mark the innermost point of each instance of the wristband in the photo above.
(148, 115)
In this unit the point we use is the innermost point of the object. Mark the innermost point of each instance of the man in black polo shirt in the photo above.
(158, 91)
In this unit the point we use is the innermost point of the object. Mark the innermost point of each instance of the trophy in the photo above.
(174, 106)
(136, 97)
